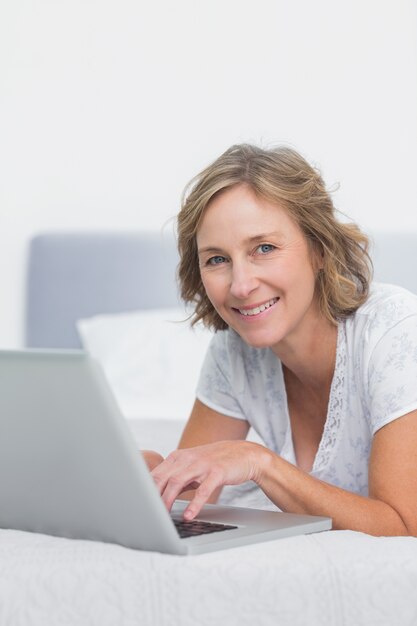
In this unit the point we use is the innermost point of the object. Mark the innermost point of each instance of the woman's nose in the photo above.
(243, 282)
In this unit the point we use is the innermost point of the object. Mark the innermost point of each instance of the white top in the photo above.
(374, 383)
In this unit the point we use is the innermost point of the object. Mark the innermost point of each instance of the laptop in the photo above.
(70, 467)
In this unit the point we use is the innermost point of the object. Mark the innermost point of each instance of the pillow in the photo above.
(151, 358)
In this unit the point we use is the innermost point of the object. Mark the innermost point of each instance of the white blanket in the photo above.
(328, 579)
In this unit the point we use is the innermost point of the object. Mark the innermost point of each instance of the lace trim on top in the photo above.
(332, 428)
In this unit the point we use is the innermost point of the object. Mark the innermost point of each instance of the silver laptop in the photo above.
(69, 466)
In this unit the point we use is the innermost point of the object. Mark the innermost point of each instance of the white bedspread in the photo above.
(333, 578)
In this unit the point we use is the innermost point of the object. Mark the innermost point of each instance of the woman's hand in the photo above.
(153, 459)
(206, 468)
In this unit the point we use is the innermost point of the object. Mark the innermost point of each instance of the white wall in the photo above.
(110, 106)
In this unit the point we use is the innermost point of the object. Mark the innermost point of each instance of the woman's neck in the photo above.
(310, 355)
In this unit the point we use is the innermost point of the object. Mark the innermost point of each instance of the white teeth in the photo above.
(259, 308)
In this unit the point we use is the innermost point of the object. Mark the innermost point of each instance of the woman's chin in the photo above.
(257, 340)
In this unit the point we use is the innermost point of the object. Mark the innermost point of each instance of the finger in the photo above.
(160, 481)
(191, 487)
(177, 459)
(177, 484)
(201, 496)
(152, 458)
(162, 472)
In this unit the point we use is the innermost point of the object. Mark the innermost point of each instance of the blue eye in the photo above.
(265, 248)
(216, 260)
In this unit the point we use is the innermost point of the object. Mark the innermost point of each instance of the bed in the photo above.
(120, 281)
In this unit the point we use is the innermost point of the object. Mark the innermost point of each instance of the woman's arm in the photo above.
(390, 509)
(207, 426)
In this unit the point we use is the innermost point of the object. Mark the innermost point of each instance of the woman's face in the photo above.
(257, 269)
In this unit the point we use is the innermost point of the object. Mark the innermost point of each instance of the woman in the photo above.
(321, 363)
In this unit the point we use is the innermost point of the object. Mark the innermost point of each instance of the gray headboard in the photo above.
(76, 275)
(395, 258)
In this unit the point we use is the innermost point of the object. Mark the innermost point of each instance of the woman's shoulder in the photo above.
(386, 307)
(390, 302)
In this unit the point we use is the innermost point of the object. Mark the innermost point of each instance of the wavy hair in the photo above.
(282, 176)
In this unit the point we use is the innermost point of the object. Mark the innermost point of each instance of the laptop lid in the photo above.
(71, 464)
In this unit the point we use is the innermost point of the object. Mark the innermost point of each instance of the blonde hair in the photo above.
(284, 177)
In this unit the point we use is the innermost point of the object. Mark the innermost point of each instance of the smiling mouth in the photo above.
(258, 309)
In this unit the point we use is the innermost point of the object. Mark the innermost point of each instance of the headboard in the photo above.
(80, 274)
(394, 256)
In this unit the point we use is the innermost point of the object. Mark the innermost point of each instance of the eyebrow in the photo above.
(249, 240)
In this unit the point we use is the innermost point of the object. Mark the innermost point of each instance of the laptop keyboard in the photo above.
(197, 527)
